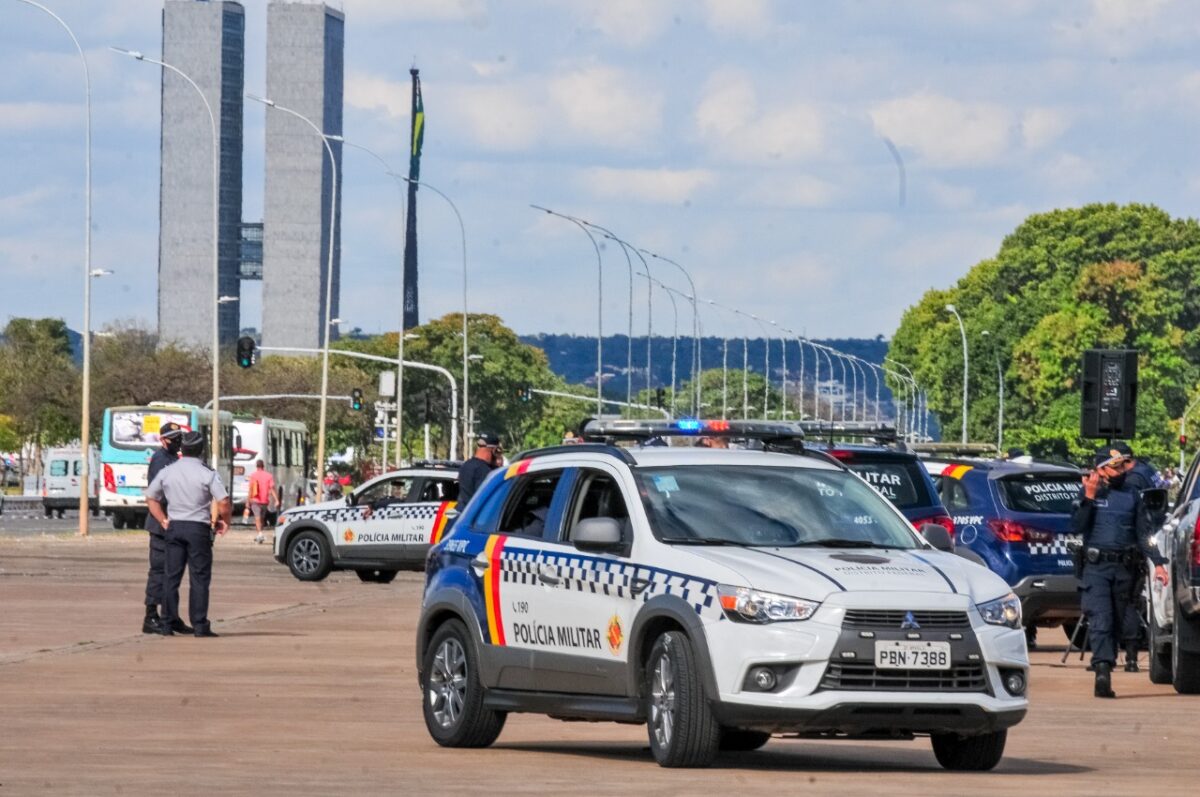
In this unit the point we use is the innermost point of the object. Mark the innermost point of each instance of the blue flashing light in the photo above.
(689, 425)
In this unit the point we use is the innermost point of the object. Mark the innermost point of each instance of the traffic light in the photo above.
(660, 397)
(356, 399)
(245, 351)
(525, 393)
(1182, 441)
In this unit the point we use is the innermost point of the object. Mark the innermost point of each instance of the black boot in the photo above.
(1131, 664)
(1104, 680)
(152, 624)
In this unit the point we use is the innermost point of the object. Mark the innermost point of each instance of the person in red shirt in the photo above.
(262, 495)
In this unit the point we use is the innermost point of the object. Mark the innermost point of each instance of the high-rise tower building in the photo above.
(304, 73)
(206, 40)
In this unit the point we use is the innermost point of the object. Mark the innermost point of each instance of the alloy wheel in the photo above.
(447, 691)
(662, 700)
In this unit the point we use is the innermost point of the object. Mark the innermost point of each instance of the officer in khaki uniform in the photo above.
(190, 488)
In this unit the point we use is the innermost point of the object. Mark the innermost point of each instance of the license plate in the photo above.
(905, 655)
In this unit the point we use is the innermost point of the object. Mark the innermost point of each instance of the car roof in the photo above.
(864, 448)
(998, 468)
(664, 456)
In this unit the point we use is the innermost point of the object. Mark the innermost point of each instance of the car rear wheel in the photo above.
(1185, 666)
(308, 556)
(737, 740)
(453, 696)
(969, 753)
(376, 576)
(1160, 654)
(682, 729)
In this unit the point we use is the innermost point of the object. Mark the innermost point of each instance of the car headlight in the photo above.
(752, 606)
(1002, 611)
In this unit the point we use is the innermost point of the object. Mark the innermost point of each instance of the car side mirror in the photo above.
(937, 536)
(349, 500)
(597, 534)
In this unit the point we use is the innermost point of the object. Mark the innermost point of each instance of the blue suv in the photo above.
(898, 476)
(1016, 516)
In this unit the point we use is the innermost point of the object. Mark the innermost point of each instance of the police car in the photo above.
(718, 596)
(384, 526)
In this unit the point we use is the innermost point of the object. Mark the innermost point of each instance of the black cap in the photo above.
(488, 439)
(1122, 448)
(192, 444)
(1108, 455)
(169, 430)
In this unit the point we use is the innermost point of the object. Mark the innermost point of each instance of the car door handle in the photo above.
(638, 586)
(547, 574)
(480, 564)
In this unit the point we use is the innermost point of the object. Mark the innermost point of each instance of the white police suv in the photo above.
(718, 596)
(384, 526)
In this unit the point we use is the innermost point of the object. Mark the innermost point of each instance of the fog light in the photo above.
(1014, 681)
(763, 678)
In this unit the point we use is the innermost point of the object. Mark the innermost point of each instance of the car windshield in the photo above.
(1040, 492)
(898, 480)
(768, 506)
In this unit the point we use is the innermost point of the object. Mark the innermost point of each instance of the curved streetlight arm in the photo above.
(675, 329)
(85, 414)
(966, 367)
(696, 362)
(625, 247)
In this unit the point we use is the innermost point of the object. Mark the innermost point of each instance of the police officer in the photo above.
(1114, 527)
(168, 452)
(476, 469)
(190, 487)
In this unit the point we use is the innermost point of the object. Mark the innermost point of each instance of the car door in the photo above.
(377, 536)
(593, 605)
(520, 618)
(433, 498)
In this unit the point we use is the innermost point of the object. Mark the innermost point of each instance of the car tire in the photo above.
(1160, 653)
(308, 556)
(1185, 666)
(969, 753)
(451, 694)
(680, 724)
(738, 740)
(376, 576)
(118, 521)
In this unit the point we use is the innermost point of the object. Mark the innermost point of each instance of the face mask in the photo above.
(173, 447)
(1116, 482)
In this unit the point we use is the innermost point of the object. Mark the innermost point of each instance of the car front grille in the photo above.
(865, 677)
(893, 618)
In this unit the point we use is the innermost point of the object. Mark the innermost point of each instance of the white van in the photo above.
(62, 471)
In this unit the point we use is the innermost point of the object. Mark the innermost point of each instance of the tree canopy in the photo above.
(1099, 276)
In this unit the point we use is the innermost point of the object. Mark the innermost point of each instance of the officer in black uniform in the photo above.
(476, 469)
(168, 452)
(190, 488)
(1114, 527)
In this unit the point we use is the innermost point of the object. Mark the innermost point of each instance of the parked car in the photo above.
(1173, 616)
(62, 477)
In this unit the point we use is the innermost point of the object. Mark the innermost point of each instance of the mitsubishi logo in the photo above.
(910, 622)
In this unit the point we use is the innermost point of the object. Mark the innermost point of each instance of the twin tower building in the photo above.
(289, 249)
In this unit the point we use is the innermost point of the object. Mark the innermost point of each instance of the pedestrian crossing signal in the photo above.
(245, 351)
(356, 396)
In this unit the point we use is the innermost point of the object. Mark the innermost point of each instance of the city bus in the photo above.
(283, 447)
(130, 437)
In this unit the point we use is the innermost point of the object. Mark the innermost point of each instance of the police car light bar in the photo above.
(845, 429)
(688, 427)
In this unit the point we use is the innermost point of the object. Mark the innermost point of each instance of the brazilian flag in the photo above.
(418, 129)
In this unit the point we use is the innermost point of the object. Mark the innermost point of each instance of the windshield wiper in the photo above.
(836, 543)
(697, 541)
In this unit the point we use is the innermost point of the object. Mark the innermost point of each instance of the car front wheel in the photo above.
(1185, 666)
(453, 696)
(308, 556)
(682, 729)
(969, 753)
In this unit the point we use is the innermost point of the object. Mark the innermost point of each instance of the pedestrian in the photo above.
(1115, 530)
(476, 469)
(190, 488)
(167, 453)
(260, 498)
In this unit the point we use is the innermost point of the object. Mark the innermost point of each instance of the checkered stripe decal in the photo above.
(346, 514)
(609, 578)
(1056, 548)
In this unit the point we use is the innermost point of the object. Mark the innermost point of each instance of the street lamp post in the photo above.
(1000, 394)
(215, 447)
(86, 393)
(625, 247)
(695, 331)
(963, 331)
(674, 334)
(325, 139)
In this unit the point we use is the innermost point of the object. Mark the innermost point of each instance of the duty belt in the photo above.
(1096, 555)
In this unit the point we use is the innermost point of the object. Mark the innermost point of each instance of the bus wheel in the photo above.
(118, 521)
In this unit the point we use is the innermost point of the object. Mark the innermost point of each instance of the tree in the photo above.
(39, 386)
(1098, 276)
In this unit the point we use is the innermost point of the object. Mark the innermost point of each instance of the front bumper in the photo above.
(1045, 598)
(873, 719)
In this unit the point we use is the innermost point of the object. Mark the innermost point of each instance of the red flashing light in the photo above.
(718, 426)
(841, 454)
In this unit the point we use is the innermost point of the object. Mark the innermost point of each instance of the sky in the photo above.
(748, 140)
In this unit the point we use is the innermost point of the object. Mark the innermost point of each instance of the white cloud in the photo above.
(371, 93)
(506, 118)
(607, 106)
(728, 118)
(1121, 27)
(943, 131)
(384, 11)
(1067, 170)
(950, 197)
(30, 116)
(662, 186)
(788, 190)
(632, 22)
(1040, 126)
(749, 18)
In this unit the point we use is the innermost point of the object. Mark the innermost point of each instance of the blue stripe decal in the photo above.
(802, 564)
(938, 569)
